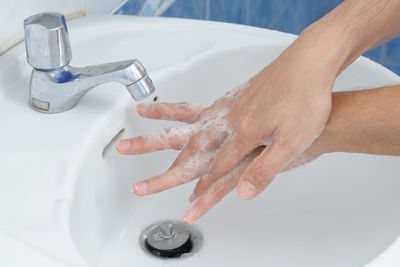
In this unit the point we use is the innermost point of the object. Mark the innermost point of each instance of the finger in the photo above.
(217, 191)
(260, 173)
(209, 137)
(215, 111)
(233, 151)
(183, 111)
(170, 138)
(213, 195)
(186, 172)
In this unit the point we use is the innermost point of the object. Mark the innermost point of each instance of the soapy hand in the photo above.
(245, 138)
(176, 138)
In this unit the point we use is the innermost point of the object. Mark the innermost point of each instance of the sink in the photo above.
(65, 193)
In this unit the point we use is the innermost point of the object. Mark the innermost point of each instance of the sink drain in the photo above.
(171, 239)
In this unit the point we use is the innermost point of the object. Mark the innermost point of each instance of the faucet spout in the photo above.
(57, 90)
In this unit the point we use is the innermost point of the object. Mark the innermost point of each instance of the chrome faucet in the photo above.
(55, 86)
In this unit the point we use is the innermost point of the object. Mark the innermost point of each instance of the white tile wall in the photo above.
(13, 13)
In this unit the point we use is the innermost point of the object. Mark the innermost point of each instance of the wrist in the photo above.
(331, 138)
(328, 43)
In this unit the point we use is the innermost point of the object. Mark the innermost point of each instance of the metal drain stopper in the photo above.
(169, 239)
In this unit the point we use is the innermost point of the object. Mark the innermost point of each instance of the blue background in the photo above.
(284, 15)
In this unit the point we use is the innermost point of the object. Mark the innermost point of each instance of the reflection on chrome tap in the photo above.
(55, 86)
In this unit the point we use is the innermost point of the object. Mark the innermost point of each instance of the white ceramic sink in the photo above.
(66, 202)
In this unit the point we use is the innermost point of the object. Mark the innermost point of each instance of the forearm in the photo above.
(349, 30)
(366, 121)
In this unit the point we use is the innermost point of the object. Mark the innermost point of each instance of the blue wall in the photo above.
(283, 15)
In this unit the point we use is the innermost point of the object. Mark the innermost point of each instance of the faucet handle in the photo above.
(47, 41)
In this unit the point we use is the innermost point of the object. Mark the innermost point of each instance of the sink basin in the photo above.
(65, 196)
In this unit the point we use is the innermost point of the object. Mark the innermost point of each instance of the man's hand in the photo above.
(273, 118)
(175, 138)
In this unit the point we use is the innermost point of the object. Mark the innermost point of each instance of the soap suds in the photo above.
(316, 135)
(180, 110)
(299, 158)
(298, 161)
(234, 93)
(214, 132)
(171, 135)
(194, 166)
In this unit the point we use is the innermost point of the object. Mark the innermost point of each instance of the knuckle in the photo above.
(243, 125)
(244, 128)
(218, 187)
(217, 192)
(219, 195)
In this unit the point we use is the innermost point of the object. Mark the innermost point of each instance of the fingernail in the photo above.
(140, 188)
(247, 190)
(124, 145)
(190, 215)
